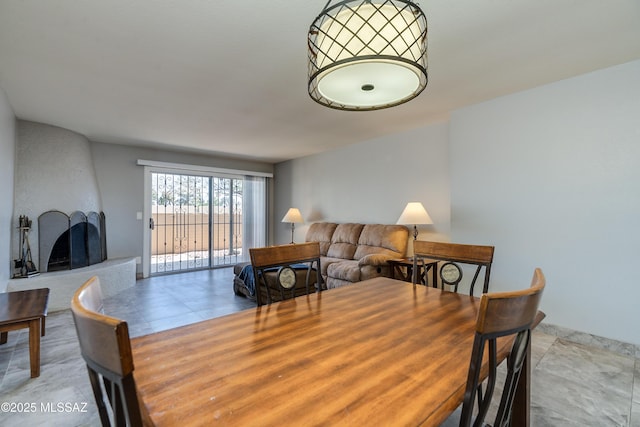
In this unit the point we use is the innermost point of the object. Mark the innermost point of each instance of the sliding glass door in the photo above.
(201, 221)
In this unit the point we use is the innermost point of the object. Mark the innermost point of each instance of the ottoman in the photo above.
(243, 281)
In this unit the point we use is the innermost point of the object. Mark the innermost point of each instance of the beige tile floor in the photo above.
(573, 384)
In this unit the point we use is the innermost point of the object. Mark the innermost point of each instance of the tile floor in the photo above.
(573, 384)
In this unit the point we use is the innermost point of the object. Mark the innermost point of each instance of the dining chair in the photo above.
(281, 268)
(451, 254)
(106, 349)
(501, 314)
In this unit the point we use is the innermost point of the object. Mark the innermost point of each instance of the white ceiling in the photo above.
(229, 76)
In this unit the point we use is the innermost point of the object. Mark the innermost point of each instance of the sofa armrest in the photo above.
(375, 259)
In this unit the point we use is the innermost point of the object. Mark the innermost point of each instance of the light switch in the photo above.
(138, 215)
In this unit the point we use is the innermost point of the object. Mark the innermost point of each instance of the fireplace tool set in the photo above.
(25, 266)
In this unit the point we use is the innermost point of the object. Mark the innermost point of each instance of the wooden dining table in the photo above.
(379, 352)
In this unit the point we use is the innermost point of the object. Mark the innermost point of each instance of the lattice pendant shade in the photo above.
(367, 54)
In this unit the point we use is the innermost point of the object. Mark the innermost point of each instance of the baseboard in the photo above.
(615, 346)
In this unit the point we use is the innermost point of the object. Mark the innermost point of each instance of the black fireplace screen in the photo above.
(68, 242)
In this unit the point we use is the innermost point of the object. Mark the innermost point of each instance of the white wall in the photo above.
(7, 162)
(369, 182)
(551, 177)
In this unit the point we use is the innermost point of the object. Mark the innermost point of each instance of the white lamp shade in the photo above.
(414, 213)
(293, 216)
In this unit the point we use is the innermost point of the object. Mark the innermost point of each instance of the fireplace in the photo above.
(69, 242)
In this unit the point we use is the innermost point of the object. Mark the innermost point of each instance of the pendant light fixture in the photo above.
(367, 54)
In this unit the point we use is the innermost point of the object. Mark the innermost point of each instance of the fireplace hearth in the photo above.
(70, 242)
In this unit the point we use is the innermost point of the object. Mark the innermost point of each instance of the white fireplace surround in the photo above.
(54, 172)
(115, 275)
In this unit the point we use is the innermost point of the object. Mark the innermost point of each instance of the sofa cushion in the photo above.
(344, 241)
(344, 270)
(321, 232)
(375, 260)
(371, 271)
(333, 283)
(325, 262)
(381, 239)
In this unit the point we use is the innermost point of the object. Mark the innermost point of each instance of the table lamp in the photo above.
(293, 216)
(414, 213)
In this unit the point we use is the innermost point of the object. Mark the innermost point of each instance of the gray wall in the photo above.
(7, 163)
(121, 183)
(369, 182)
(549, 176)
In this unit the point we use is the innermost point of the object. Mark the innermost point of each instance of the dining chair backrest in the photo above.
(106, 349)
(501, 314)
(478, 255)
(269, 265)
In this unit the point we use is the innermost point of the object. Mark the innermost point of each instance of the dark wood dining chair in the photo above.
(106, 349)
(452, 253)
(282, 268)
(501, 314)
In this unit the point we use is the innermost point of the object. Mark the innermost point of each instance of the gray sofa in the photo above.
(354, 252)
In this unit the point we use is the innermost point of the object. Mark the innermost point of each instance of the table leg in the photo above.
(393, 271)
(522, 400)
(3, 337)
(34, 347)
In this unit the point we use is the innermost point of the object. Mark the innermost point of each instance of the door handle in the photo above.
(152, 224)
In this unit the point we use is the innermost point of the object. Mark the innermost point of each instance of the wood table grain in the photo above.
(379, 352)
(25, 309)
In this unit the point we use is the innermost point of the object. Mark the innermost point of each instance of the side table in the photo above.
(25, 309)
(403, 269)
